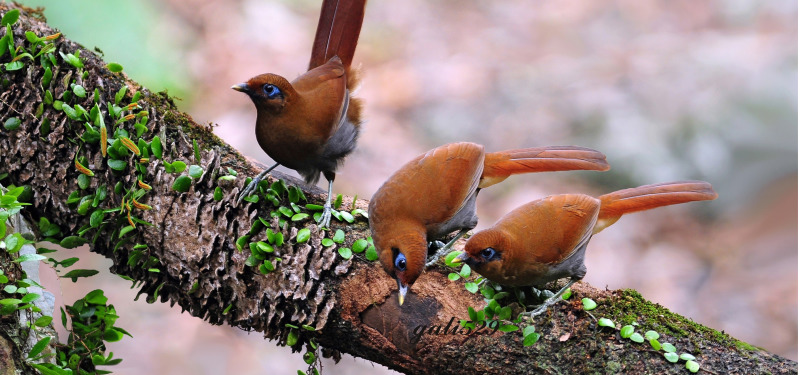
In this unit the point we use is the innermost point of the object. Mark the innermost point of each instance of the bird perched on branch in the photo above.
(434, 194)
(546, 239)
(311, 124)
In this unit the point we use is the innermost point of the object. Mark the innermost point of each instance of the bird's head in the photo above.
(269, 92)
(483, 252)
(403, 258)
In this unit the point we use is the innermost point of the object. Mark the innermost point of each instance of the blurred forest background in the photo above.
(668, 90)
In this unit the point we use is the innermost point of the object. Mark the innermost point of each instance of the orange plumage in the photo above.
(312, 123)
(434, 194)
(546, 239)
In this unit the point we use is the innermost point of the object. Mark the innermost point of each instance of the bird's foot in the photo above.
(249, 189)
(537, 311)
(435, 245)
(325, 218)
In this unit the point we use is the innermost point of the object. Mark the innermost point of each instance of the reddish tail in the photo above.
(337, 32)
(646, 197)
(498, 166)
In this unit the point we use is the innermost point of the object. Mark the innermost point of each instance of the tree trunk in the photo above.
(347, 305)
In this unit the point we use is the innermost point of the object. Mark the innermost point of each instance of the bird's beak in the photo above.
(402, 289)
(460, 258)
(242, 87)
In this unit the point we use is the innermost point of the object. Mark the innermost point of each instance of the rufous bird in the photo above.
(434, 194)
(311, 124)
(546, 239)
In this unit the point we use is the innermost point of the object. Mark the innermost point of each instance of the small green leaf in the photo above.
(114, 67)
(671, 356)
(12, 123)
(338, 202)
(448, 259)
(117, 165)
(227, 310)
(605, 322)
(637, 337)
(72, 242)
(196, 149)
(178, 166)
(589, 304)
(651, 335)
(30, 297)
(567, 294)
(10, 17)
(314, 207)
(182, 184)
(508, 328)
(299, 217)
(465, 271)
(125, 230)
(347, 216)
(217, 194)
(471, 287)
(345, 252)
(339, 236)
(10, 301)
(79, 91)
(75, 274)
(291, 339)
(41, 344)
(195, 171)
(371, 254)
(29, 257)
(655, 344)
(530, 339)
(10, 289)
(453, 276)
(692, 366)
(687, 357)
(265, 247)
(155, 147)
(241, 241)
(669, 348)
(303, 235)
(286, 211)
(97, 218)
(360, 245)
(626, 331)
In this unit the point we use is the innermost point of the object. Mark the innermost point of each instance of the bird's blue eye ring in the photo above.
(271, 91)
(488, 253)
(400, 262)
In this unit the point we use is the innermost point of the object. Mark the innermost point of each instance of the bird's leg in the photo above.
(250, 189)
(325, 219)
(444, 249)
(549, 302)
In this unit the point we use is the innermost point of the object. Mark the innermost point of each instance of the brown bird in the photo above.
(434, 194)
(546, 239)
(311, 124)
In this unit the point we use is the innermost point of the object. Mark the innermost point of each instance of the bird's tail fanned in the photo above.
(618, 203)
(499, 165)
(337, 32)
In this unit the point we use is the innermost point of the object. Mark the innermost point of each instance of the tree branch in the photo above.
(350, 304)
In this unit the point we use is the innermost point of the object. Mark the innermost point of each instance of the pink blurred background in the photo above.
(667, 90)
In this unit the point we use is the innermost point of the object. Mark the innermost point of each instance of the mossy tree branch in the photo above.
(348, 305)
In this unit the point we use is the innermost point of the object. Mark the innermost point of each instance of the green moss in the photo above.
(631, 307)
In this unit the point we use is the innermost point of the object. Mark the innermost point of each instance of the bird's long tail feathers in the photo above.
(618, 203)
(499, 165)
(337, 32)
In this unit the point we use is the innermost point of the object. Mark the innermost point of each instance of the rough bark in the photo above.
(351, 304)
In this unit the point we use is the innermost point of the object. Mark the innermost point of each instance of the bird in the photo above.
(545, 240)
(435, 193)
(312, 123)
